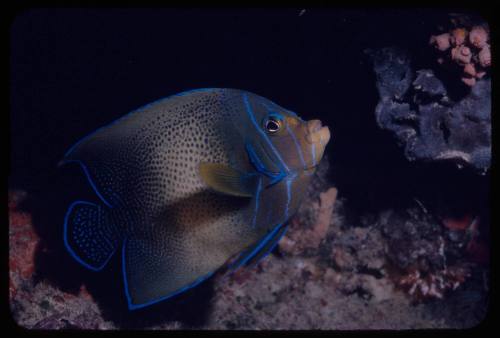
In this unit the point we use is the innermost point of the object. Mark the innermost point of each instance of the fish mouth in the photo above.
(316, 132)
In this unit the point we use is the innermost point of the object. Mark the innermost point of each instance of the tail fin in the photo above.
(89, 234)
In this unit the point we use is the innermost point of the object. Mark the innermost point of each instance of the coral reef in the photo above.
(426, 256)
(433, 285)
(21, 262)
(467, 48)
(387, 271)
(420, 110)
(311, 238)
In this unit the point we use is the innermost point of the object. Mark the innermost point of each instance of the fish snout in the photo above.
(316, 132)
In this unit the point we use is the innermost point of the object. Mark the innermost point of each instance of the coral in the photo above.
(441, 42)
(425, 118)
(426, 255)
(314, 218)
(311, 238)
(461, 54)
(485, 56)
(22, 244)
(478, 36)
(468, 228)
(458, 36)
(458, 224)
(470, 70)
(435, 284)
(470, 51)
(344, 282)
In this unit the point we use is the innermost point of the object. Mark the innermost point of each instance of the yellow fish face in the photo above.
(284, 142)
(301, 143)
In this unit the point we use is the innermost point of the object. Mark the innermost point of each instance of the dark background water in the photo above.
(74, 70)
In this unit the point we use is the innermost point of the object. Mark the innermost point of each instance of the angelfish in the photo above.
(189, 184)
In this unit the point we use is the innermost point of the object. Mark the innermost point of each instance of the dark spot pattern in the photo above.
(175, 230)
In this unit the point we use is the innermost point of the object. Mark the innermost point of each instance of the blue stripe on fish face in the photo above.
(297, 145)
(266, 138)
(133, 306)
(280, 108)
(288, 198)
(257, 197)
(268, 237)
(289, 182)
(276, 115)
(256, 161)
(259, 166)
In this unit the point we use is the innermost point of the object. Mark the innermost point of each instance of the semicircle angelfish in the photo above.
(188, 184)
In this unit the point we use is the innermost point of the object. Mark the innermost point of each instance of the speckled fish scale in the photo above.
(188, 183)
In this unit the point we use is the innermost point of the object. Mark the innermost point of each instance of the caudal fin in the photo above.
(89, 234)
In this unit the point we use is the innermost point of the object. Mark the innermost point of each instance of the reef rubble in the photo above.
(386, 272)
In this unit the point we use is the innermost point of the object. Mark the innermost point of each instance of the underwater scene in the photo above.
(249, 169)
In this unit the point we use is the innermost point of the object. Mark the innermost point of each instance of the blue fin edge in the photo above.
(256, 249)
(68, 247)
(278, 106)
(133, 306)
(133, 111)
(91, 182)
(271, 248)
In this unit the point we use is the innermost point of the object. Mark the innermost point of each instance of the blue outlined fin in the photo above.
(89, 234)
(150, 277)
(263, 247)
(267, 248)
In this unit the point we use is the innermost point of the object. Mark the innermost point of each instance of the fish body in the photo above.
(186, 184)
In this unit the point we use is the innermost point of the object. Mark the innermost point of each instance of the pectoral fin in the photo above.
(227, 180)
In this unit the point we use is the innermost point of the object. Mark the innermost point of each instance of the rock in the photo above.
(303, 290)
(381, 289)
(413, 238)
(343, 259)
(359, 249)
(417, 108)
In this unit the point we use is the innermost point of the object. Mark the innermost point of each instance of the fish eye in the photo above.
(272, 124)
